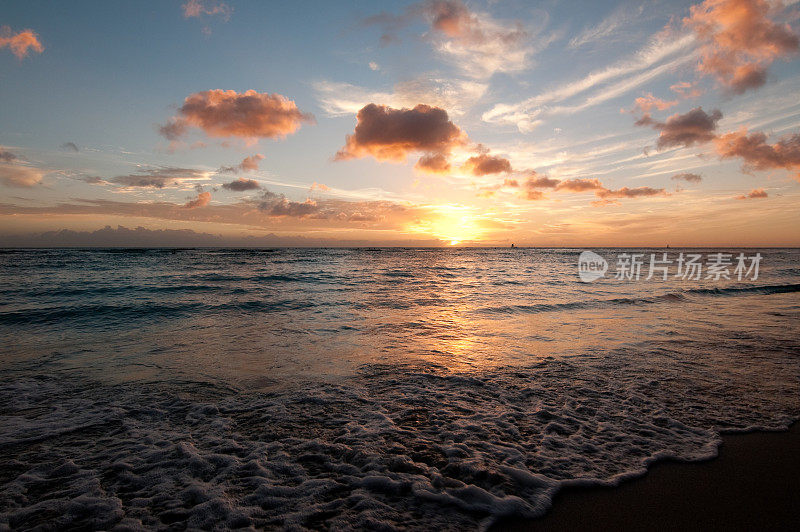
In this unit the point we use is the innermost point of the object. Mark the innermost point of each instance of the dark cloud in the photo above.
(249, 115)
(285, 207)
(435, 163)
(760, 155)
(6, 156)
(485, 164)
(157, 177)
(70, 146)
(389, 134)
(694, 127)
(242, 184)
(688, 177)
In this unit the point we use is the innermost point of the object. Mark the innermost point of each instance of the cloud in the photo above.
(625, 192)
(609, 29)
(279, 206)
(688, 177)
(754, 194)
(70, 146)
(485, 164)
(198, 8)
(389, 134)
(579, 185)
(740, 40)
(477, 43)
(694, 127)
(541, 181)
(241, 185)
(158, 177)
(6, 156)
(648, 102)
(453, 95)
(435, 163)
(15, 175)
(319, 186)
(473, 41)
(249, 164)
(202, 199)
(20, 43)
(536, 182)
(758, 154)
(642, 67)
(686, 89)
(250, 115)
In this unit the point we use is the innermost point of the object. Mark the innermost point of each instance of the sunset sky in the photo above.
(433, 123)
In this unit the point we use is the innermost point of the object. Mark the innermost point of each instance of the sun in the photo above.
(452, 224)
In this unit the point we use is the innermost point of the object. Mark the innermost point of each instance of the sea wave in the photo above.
(683, 295)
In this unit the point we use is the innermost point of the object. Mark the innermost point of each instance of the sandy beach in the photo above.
(754, 484)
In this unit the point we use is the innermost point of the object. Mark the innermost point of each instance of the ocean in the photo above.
(372, 388)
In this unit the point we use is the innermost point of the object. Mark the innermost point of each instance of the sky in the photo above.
(441, 122)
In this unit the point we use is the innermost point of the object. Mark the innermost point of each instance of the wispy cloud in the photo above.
(645, 65)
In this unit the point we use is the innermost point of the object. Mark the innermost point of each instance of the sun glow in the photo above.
(453, 224)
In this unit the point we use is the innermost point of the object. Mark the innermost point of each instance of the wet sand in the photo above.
(754, 484)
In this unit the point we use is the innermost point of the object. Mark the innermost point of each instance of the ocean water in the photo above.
(367, 388)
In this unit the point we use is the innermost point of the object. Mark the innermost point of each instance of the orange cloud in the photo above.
(249, 164)
(648, 102)
(758, 154)
(536, 182)
(485, 164)
(203, 199)
(694, 127)
(739, 40)
(15, 175)
(625, 192)
(20, 43)
(540, 181)
(249, 115)
(686, 90)
(389, 134)
(579, 185)
(754, 194)
(197, 8)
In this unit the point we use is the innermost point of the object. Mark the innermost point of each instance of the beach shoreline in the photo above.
(754, 483)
